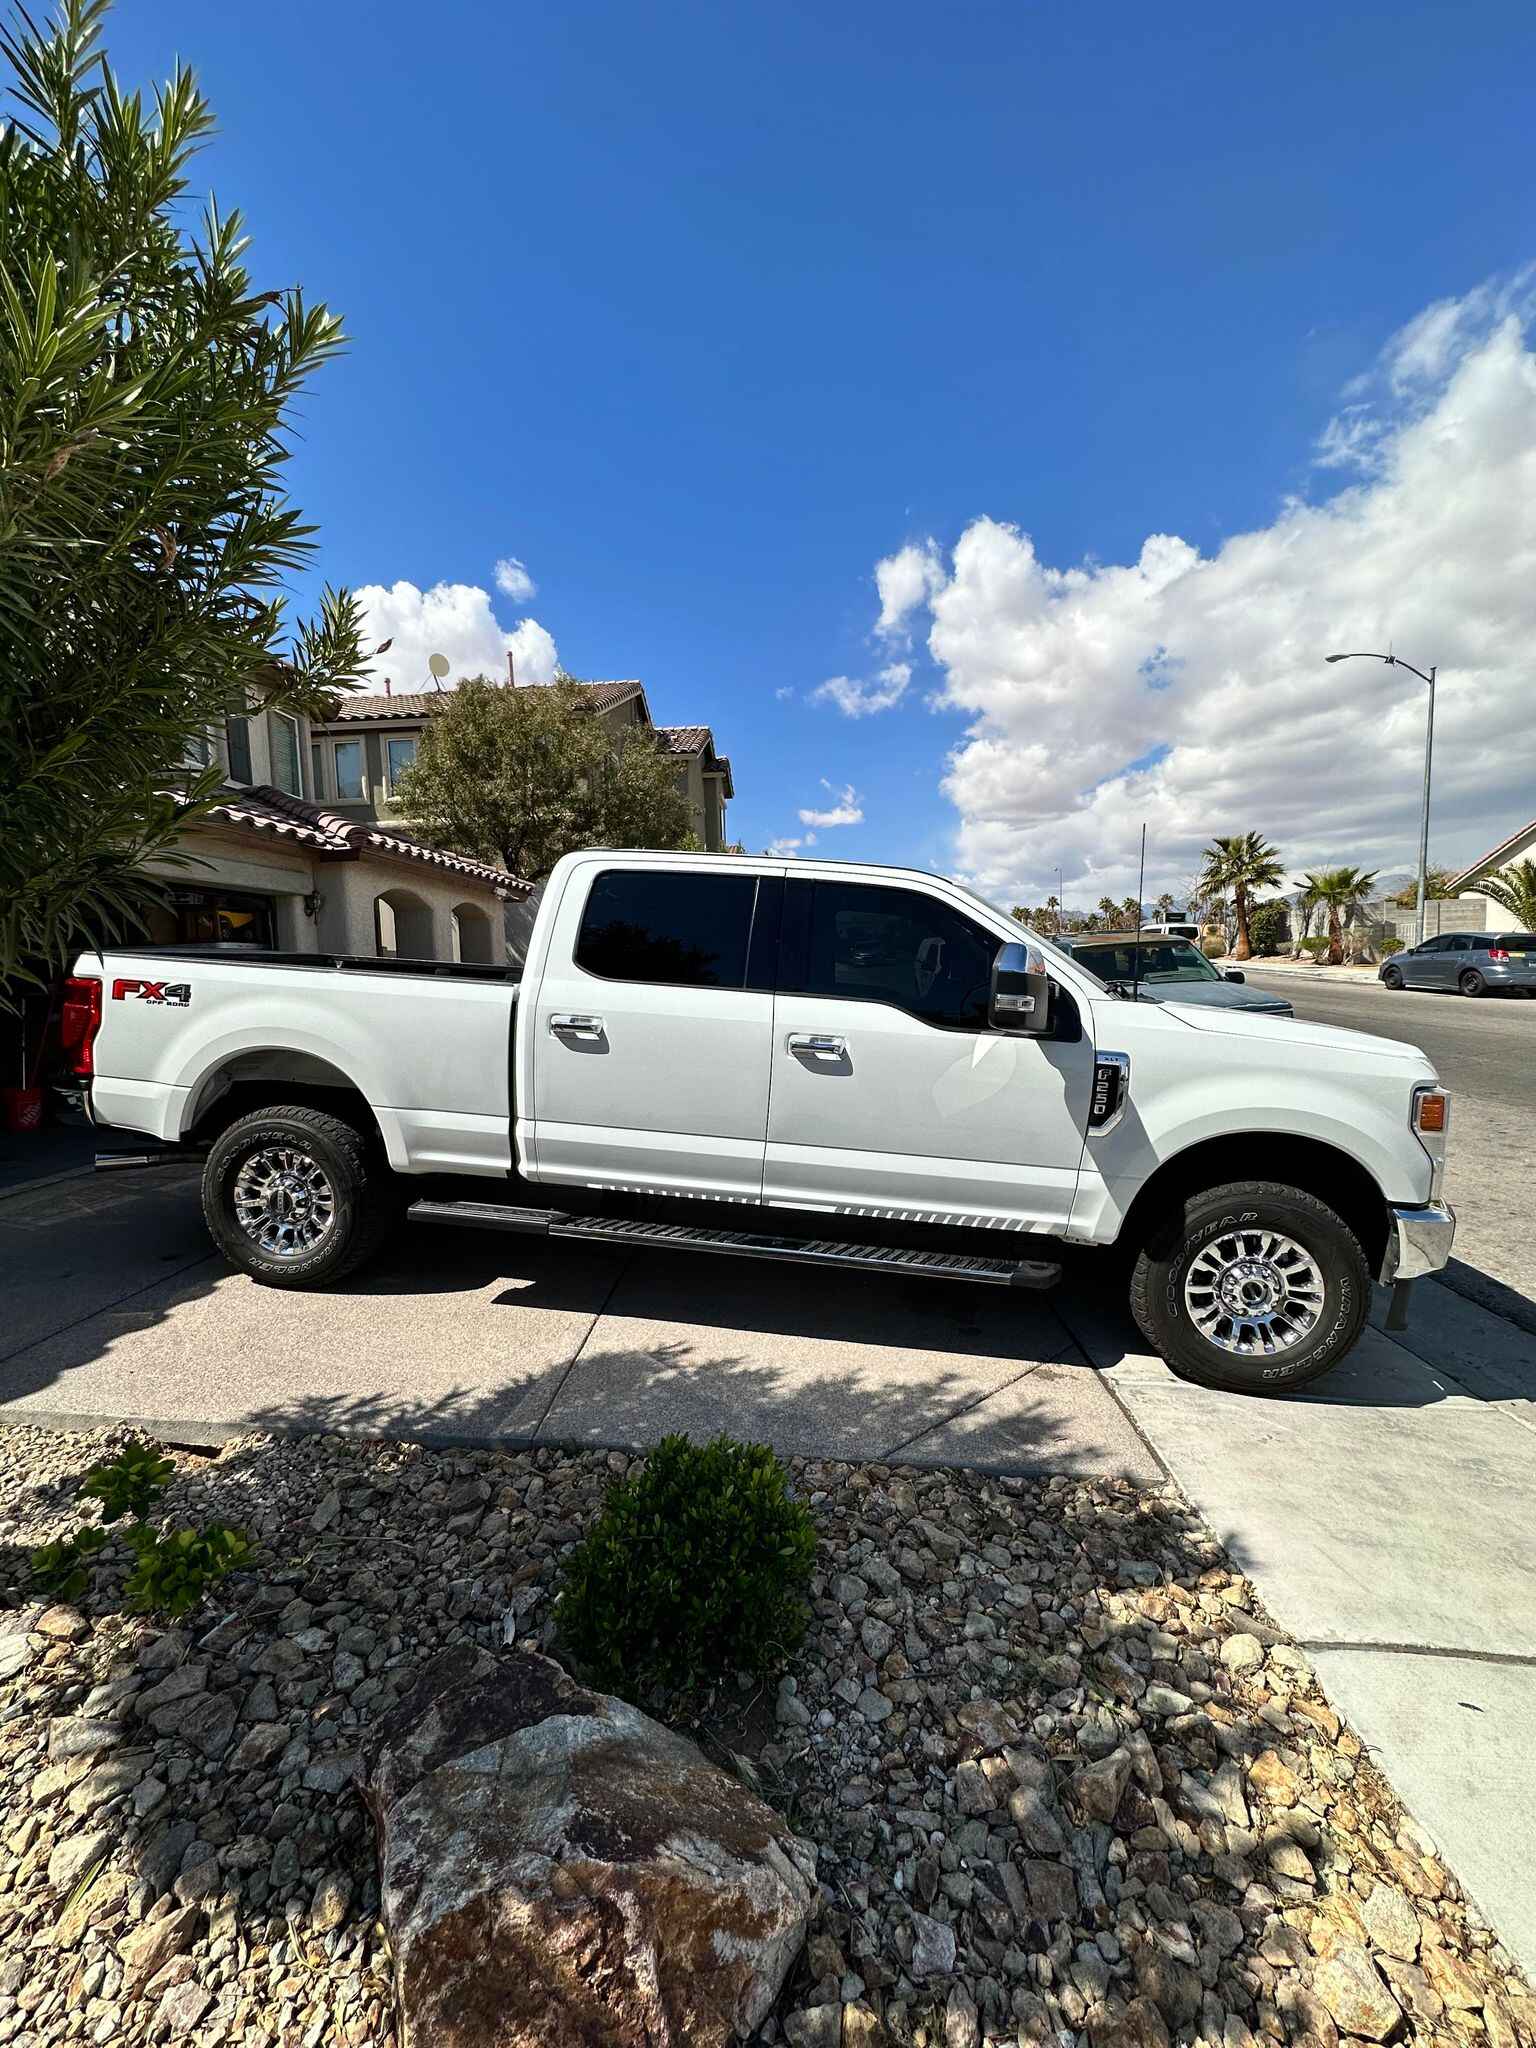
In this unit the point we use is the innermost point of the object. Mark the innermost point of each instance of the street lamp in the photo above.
(1397, 661)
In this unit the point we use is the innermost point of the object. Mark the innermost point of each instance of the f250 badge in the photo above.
(153, 991)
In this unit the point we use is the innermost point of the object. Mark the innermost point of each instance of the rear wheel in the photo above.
(1255, 1287)
(294, 1197)
(1472, 983)
(1393, 977)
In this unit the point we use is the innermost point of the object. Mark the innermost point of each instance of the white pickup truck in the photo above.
(901, 1075)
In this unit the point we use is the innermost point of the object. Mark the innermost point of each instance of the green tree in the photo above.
(1165, 905)
(1435, 889)
(1338, 891)
(1514, 890)
(145, 385)
(525, 775)
(1269, 926)
(1235, 867)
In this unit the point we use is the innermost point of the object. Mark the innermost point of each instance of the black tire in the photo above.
(1471, 983)
(361, 1202)
(1245, 1210)
(1392, 977)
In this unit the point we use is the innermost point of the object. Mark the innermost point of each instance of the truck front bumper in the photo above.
(1419, 1242)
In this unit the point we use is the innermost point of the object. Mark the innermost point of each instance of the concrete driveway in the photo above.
(1386, 1518)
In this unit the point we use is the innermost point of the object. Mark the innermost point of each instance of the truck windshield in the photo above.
(1162, 960)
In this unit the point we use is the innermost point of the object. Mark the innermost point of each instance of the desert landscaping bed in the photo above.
(1065, 1781)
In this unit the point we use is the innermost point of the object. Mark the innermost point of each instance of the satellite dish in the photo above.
(438, 663)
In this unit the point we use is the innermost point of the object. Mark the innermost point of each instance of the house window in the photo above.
(400, 754)
(348, 758)
(198, 751)
(237, 744)
(287, 764)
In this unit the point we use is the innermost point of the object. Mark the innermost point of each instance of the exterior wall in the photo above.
(1447, 914)
(239, 860)
(351, 887)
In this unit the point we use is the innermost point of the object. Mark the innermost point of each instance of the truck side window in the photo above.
(897, 946)
(665, 925)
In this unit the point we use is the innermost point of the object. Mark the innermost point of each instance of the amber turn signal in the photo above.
(1432, 1107)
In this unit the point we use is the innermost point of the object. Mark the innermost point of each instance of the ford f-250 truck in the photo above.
(816, 1061)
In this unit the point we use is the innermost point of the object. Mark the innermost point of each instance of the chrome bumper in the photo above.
(1420, 1242)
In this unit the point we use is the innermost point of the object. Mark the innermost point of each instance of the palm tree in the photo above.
(1109, 910)
(1340, 891)
(1514, 890)
(1235, 866)
(1165, 906)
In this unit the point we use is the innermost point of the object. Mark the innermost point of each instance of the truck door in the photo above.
(653, 1017)
(889, 1094)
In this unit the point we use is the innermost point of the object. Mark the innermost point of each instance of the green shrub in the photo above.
(1269, 926)
(1316, 947)
(695, 1569)
(1387, 947)
(172, 1568)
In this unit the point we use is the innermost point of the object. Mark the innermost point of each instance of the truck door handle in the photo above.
(565, 1024)
(819, 1042)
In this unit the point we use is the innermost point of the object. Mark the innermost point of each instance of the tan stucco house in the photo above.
(271, 865)
(358, 753)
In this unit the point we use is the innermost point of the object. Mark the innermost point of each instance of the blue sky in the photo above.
(700, 312)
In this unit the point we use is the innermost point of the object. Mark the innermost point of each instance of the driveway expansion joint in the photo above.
(1518, 1658)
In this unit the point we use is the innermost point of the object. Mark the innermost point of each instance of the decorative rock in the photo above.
(181, 2009)
(933, 1948)
(75, 1854)
(331, 1902)
(961, 2026)
(1353, 1990)
(1242, 1654)
(1098, 1788)
(61, 1625)
(555, 1867)
(1391, 1922)
(815, 2026)
(146, 1948)
(1272, 1777)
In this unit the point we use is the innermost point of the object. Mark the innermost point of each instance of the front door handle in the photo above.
(566, 1024)
(820, 1042)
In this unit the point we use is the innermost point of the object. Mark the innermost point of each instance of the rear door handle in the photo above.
(566, 1024)
(820, 1042)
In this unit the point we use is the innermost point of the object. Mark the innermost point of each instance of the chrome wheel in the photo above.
(284, 1201)
(1253, 1292)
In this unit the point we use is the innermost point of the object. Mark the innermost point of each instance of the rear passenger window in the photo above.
(665, 925)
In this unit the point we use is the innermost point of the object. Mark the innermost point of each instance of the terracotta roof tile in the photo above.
(264, 809)
(685, 739)
(425, 703)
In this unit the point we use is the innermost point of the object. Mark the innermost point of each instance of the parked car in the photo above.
(1173, 970)
(1475, 963)
(876, 1062)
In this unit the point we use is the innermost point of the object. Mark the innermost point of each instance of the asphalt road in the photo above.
(1485, 1053)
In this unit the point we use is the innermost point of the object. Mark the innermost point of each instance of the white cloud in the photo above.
(534, 659)
(513, 580)
(787, 849)
(845, 810)
(857, 699)
(457, 621)
(1191, 692)
(905, 581)
(785, 693)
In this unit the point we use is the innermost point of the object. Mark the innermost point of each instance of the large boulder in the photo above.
(557, 1870)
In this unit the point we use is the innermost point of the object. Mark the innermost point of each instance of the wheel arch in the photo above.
(1311, 1164)
(264, 1077)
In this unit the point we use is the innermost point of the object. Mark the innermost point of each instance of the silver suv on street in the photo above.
(1474, 963)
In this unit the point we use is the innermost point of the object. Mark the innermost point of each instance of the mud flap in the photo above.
(1397, 1308)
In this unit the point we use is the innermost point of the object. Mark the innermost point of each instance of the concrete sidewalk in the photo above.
(1387, 1520)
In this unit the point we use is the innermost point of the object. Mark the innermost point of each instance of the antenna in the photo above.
(1141, 890)
(438, 663)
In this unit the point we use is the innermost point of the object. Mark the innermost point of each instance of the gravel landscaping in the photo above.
(1066, 1782)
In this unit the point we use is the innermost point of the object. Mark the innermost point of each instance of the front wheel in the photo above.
(1254, 1287)
(1472, 983)
(294, 1197)
(1393, 977)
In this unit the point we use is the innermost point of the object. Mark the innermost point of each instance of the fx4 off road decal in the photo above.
(153, 991)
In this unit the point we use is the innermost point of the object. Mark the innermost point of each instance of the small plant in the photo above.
(1316, 948)
(172, 1568)
(131, 1483)
(695, 1569)
(171, 1573)
(1387, 947)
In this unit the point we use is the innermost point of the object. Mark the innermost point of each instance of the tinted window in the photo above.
(1515, 942)
(895, 946)
(237, 736)
(1161, 960)
(662, 924)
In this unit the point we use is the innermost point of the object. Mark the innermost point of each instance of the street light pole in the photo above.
(1397, 661)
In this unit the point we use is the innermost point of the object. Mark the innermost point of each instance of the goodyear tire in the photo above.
(1254, 1287)
(295, 1196)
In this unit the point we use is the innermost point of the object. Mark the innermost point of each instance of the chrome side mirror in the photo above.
(1020, 1000)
